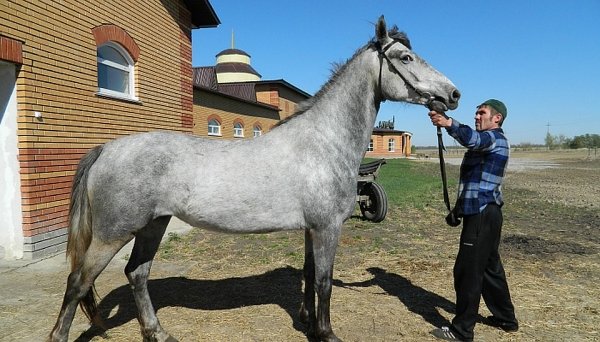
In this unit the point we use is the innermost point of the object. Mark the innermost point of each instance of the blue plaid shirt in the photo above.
(482, 168)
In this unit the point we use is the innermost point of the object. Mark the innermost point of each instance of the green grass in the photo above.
(416, 184)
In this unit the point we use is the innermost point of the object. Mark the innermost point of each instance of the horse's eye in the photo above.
(406, 59)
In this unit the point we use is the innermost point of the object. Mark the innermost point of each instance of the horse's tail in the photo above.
(80, 226)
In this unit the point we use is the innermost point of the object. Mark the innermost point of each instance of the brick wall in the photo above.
(209, 105)
(279, 96)
(58, 79)
(269, 96)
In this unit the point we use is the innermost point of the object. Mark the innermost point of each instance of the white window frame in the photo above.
(391, 145)
(257, 131)
(238, 130)
(214, 130)
(371, 146)
(130, 70)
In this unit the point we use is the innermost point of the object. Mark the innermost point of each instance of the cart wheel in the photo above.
(376, 208)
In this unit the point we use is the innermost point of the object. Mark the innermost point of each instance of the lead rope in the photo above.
(441, 150)
(451, 218)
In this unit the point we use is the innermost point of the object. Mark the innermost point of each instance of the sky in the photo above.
(540, 57)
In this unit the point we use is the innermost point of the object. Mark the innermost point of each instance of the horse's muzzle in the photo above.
(440, 105)
(453, 100)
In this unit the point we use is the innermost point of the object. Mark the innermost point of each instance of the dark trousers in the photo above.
(478, 272)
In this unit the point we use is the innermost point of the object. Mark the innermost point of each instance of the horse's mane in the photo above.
(338, 68)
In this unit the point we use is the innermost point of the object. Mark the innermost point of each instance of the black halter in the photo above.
(404, 75)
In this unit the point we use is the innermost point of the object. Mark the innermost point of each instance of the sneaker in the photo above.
(444, 333)
(506, 326)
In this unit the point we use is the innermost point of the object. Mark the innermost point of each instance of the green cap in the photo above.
(497, 105)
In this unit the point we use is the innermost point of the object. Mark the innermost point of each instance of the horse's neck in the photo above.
(343, 115)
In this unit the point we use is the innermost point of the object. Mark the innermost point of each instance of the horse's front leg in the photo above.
(307, 310)
(325, 243)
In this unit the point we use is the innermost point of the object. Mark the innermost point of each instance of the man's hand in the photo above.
(439, 120)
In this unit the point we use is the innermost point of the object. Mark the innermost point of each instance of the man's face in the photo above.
(484, 120)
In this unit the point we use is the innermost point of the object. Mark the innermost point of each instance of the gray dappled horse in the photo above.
(303, 174)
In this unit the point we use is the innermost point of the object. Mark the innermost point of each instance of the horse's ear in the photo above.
(381, 30)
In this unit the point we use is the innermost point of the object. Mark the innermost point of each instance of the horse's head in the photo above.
(404, 76)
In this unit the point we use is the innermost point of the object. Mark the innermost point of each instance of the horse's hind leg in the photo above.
(137, 270)
(79, 285)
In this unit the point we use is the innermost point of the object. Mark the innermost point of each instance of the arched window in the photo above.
(115, 71)
(257, 130)
(392, 145)
(238, 130)
(214, 127)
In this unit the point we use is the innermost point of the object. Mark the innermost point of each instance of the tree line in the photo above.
(581, 141)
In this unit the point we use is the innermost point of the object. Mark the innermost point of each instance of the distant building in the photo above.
(232, 102)
(386, 142)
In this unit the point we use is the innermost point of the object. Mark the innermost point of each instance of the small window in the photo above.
(391, 145)
(257, 131)
(214, 127)
(370, 148)
(238, 130)
(115, 72)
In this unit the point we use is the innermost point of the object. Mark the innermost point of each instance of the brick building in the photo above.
(389, 143)
(386, 142)
(231, 101)
(75, 74)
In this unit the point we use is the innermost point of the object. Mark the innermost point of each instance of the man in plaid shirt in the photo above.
(478, 270)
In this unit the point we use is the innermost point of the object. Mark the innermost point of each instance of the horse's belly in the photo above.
(240, 222)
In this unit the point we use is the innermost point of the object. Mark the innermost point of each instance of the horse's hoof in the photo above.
(160, 337)
(329, 337)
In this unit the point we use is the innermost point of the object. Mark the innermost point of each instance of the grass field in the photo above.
(410, 184)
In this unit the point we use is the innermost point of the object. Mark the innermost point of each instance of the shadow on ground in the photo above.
(416, 299)
(281, 287)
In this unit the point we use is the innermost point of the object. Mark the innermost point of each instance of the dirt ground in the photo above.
(393, 280)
